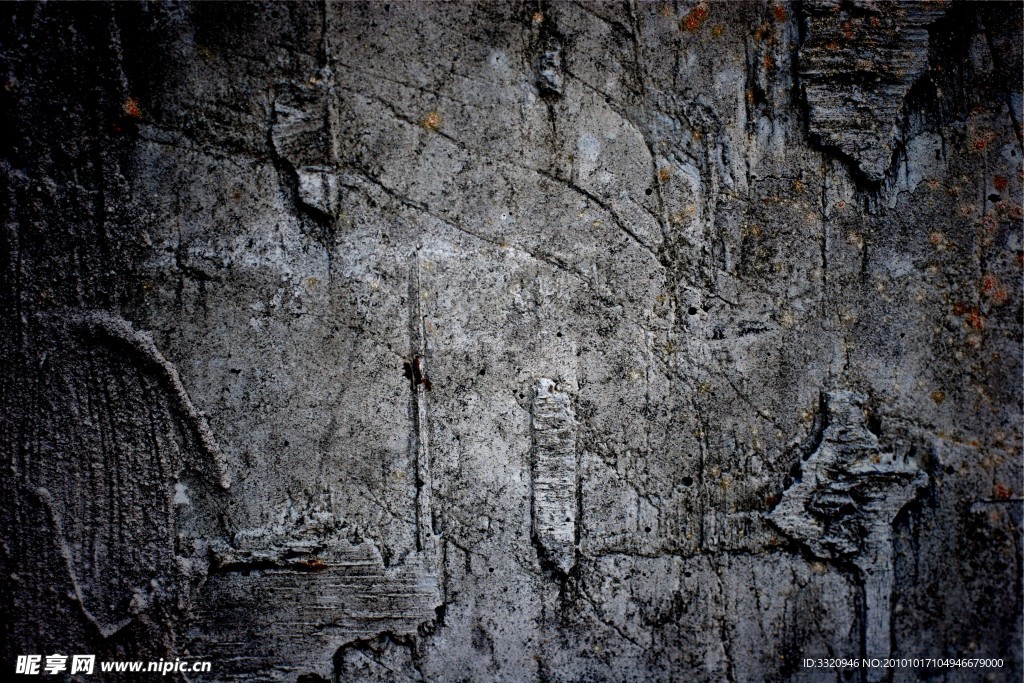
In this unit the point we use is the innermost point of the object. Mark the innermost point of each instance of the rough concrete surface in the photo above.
(512, 341)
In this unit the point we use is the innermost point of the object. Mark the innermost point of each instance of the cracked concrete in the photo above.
(530, 341)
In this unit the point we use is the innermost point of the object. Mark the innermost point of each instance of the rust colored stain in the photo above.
(981, 140)
(432, 121)
(313, 565)
(1000, 182)
(131, 108)
(696, 18)
(938, 396)
(959, 309)
(994, 290)
(779, 12)
(974, 319)
(1002, 492)
(989, 283)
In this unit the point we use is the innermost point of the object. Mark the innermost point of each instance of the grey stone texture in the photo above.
(510, 341)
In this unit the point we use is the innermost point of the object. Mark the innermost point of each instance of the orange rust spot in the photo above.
(1000, 182)
(432, 121)
(666, 10)
(840, 204)
(779, 12)
(959, 309)
(999, 296)
(933, 183)
(696, 18)
(989, 283)
(750, 95)
(799, 186)
(1002, 492)
(938, 396)
(832, 46)
(980, 144)
(717, 30)
(131, 108)
(537, 18)
(769, 62)
(936, 238)
(771, 499)
(664, 173)
(874, 22)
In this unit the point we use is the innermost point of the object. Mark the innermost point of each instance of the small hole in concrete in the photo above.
(692, 310)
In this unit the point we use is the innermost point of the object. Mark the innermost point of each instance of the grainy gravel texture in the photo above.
(512, 342)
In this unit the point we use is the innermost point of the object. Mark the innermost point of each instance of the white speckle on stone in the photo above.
(181, 494)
